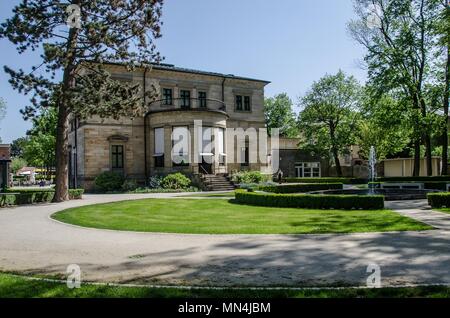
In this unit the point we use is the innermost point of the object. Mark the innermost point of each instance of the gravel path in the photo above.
(32, 242)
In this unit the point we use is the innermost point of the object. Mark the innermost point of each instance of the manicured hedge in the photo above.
(311, 201)
(326, 180)
(29, 196)
(429, 185)
(439, 200)
(296, 188)
(418, 179)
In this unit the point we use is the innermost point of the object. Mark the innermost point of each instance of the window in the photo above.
(167, 96)
(180, 146)
(159, 147)
(221, 143)
(117, 157)
(244, 156)
(307, 169)
(185, 98)
(202, 99)
(238, 102)
(247, 106)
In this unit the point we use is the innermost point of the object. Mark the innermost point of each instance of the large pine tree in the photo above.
(99, 32)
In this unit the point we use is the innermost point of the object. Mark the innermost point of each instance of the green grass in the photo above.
(210, 195)
(12, 286)
(209, 216)
(445, 210)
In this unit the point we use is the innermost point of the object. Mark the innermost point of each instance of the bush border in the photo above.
(311, 201)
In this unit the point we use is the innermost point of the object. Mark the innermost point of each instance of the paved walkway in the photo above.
(30, 241)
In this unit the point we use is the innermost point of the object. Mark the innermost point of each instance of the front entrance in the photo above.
(205, 167)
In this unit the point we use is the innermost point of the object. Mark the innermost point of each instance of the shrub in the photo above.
(296, 188)
(175, 181)
(250, 177)
(75, 194)
(108, 181)
(129, 185)
(419, 179)
(30, 196)
(326, 180)
(154, 182)
(311, 201)
(439, 200)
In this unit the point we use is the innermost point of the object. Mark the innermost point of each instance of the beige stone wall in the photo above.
(93, 133)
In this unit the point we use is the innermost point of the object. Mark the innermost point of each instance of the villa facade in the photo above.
(141, 147)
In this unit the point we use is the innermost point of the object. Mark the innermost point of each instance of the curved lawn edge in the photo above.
(222, 217)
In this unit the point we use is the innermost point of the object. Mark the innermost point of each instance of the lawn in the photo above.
(219, 216)
(12, 286)
(445, 210)
(210, 195)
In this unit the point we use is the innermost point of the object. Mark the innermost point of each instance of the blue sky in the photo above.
(288, 42)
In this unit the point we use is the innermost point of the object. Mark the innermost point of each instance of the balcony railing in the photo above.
(187, 104)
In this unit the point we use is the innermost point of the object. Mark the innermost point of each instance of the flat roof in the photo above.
(173, 68)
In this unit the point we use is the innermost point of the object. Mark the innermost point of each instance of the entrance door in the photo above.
(205, 167)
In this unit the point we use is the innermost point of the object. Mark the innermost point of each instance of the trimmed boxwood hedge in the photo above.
(439, 200)
(418, 179)
(30, 196)
(326, 180)
(296, 188)
(311, 201)
(429, 185)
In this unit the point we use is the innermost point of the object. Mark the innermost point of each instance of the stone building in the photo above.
(141, 147)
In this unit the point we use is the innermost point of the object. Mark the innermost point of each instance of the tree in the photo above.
(442, 31)
(399, 52)
(279, 114)
(39, 148)
(384, 124)
(101, 31)
(17, 164)
(2, 111)
(328, 117)
(17, 147)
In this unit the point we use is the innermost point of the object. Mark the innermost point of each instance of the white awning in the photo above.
(206, 154)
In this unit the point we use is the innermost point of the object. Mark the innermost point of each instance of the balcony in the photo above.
(187, 104)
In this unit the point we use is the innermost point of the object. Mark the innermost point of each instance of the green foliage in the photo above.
(108, 32)
(326, 180)
(31, 196)
(17, 146)
(439, 200)
(279, 114)
(17, 163)
(328, 119)
(108, 181)
(39, 148)
(175, 181)
(410, 179)
(250, 177)
(154, 182)
(129, 185)
(312, 201)
(297, 188)
(384, 125)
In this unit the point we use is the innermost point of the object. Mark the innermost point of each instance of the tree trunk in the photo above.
(337, 162)
(416, 171)
(429, 160)
(446, 100)
(62, 176)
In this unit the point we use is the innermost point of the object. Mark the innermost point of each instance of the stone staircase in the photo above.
(214, 182)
